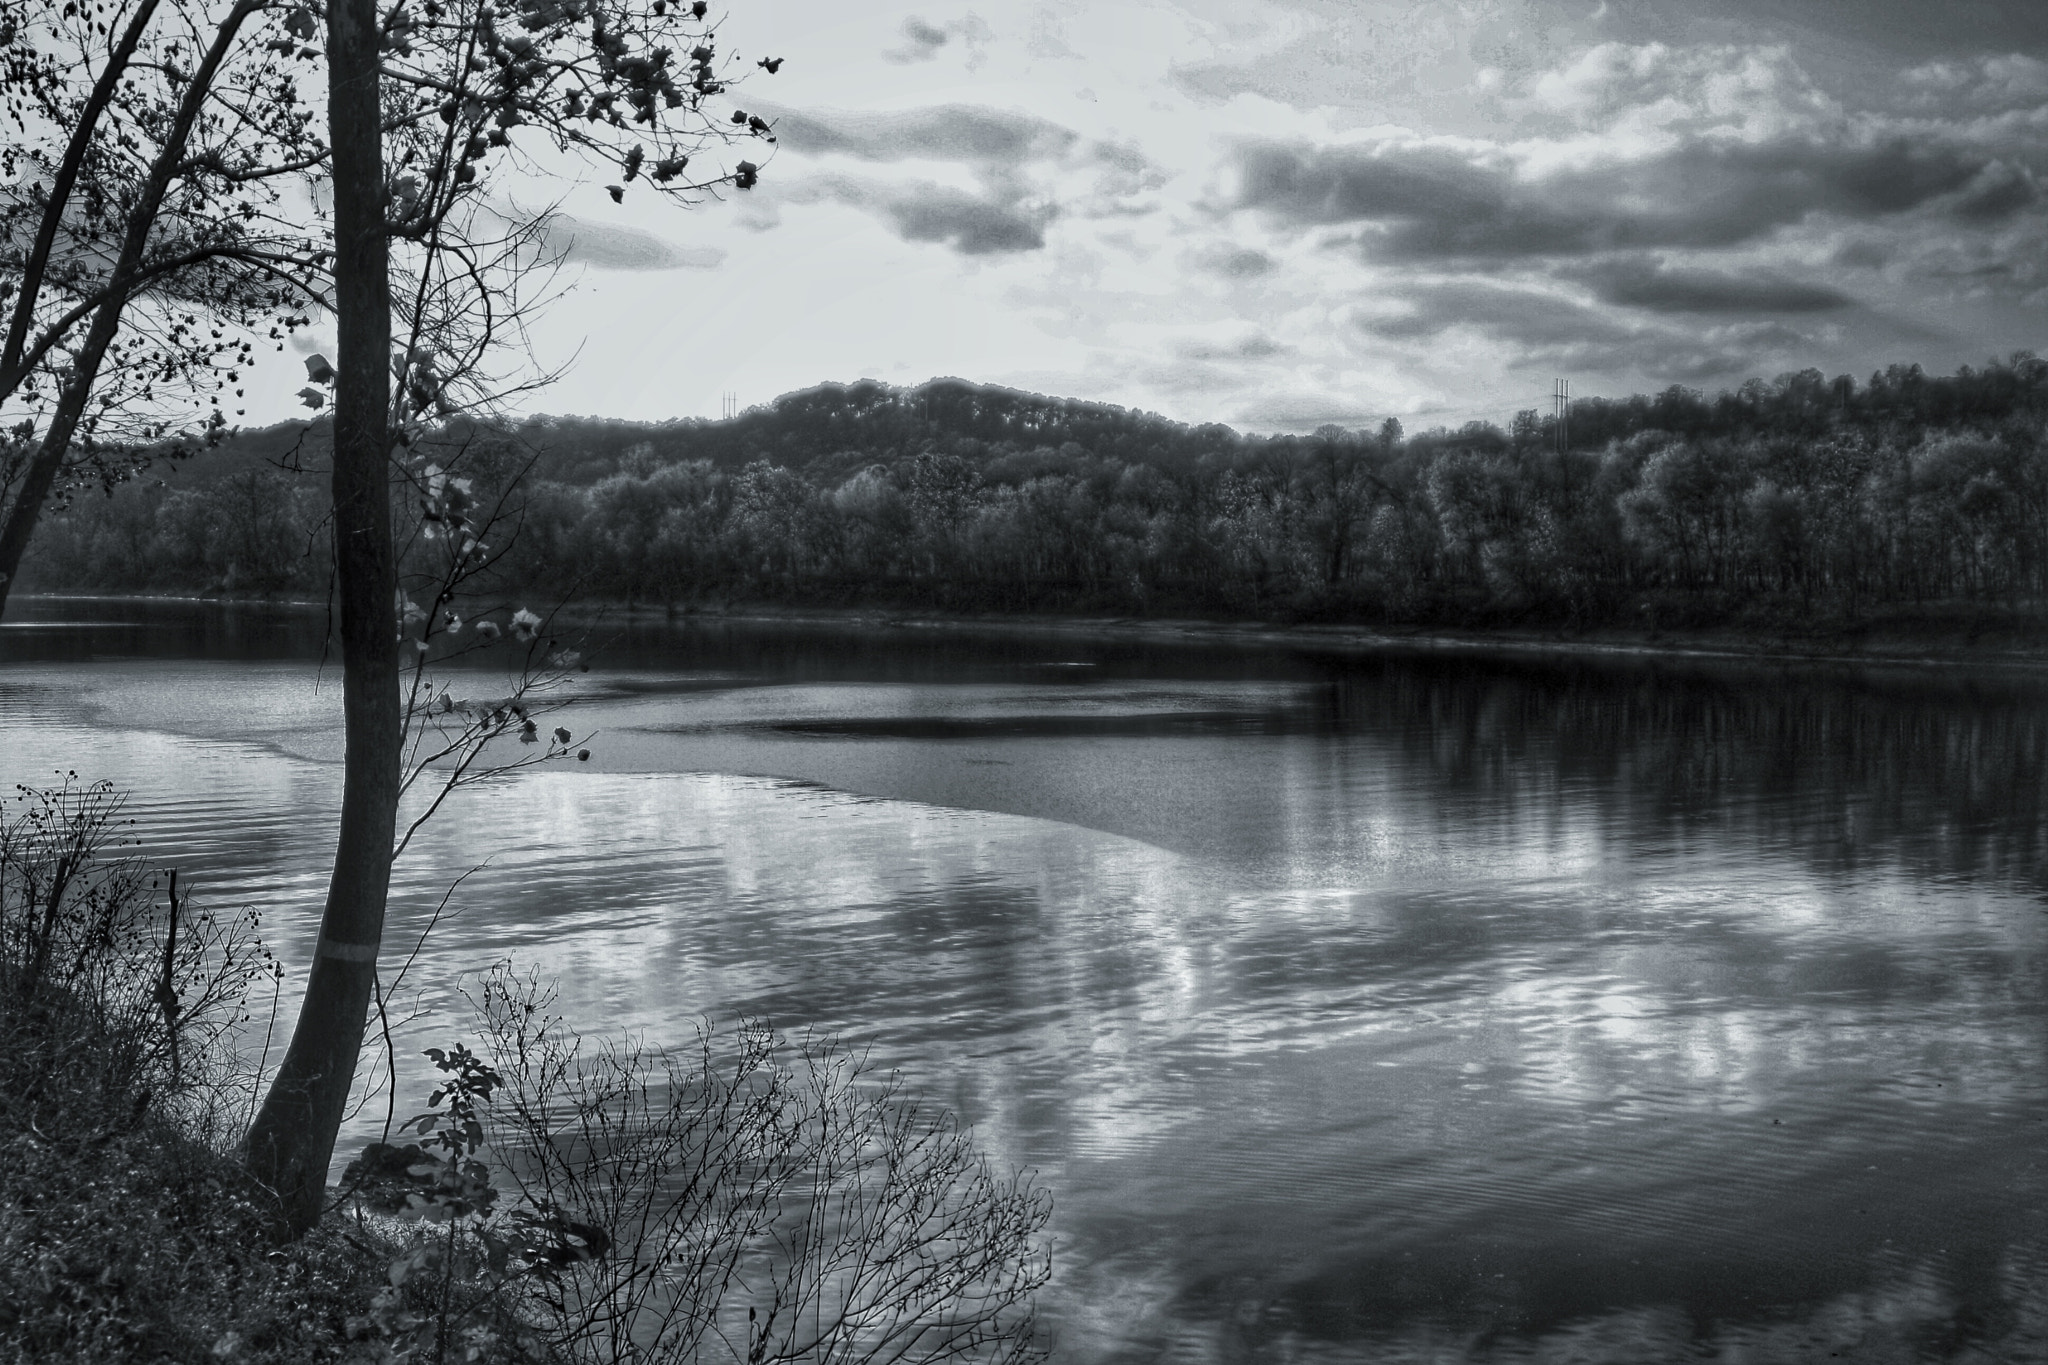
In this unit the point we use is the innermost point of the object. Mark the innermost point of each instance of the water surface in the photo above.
(1378, 1006)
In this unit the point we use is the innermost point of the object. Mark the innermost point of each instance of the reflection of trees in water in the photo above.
(1750, 1242)
(1907, 1310)
(86, 629)
(1946, 776)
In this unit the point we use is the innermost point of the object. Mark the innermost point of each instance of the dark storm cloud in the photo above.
(1862, 254)
(1547, 328)
(947, 132)
(1421, 203)
(1997, 192)
(1903, 32)
(1658, 289)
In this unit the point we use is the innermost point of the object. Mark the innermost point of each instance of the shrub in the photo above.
(127, 1231)
(751, 1199)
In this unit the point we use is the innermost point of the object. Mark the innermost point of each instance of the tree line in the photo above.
(1799, 498)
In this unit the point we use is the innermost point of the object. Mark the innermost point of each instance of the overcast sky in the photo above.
(1280, 213)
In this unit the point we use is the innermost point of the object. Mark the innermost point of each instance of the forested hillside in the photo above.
(1798, 499)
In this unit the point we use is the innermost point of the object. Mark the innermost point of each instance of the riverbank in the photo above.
(1943, 635)
(1972, 638)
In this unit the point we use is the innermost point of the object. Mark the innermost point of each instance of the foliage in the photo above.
(750, 1200)
(89, 953)
(1646, 527)
(981, 499)
(231, 257)
(174, 127)
(127, 1232)
(165, 190)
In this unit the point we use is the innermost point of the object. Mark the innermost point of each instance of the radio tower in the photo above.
(1561, 408)
(729, 405)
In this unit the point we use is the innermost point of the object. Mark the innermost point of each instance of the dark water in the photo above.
(1368, 1006)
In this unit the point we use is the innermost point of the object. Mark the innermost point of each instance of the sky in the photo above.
(1284, 213)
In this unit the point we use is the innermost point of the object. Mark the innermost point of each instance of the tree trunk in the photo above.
(292, 1141)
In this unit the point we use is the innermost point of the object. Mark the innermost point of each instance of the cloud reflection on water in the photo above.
(1492, 1014)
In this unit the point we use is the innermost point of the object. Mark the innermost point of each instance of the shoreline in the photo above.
(1717, 645)
(1866, 645)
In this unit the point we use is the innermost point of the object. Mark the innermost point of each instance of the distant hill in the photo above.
(833, 430)
(1798, 504)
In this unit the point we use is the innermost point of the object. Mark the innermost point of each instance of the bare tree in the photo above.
(749, 1199)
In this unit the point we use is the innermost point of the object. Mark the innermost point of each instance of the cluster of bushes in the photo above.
(1801, 499)
(127, 1231)
(567, 1199)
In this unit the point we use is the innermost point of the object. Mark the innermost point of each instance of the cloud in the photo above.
(613, 246)
(972, 134)
(973, 225)
(1422, 202)
(1233, 262)
(1303, 410)
(1749, 92)
(1004, 151)
(1636, 283)
(1991, 81)
(922, 41)
(1862, 254)
(1123, 172)
(1543, 327)
(1998, 191)
(1256, 346)
(1529, 316)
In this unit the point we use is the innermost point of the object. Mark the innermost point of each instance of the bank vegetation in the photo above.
(1801, 502)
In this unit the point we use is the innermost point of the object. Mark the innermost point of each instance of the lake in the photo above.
(1356, 1005)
